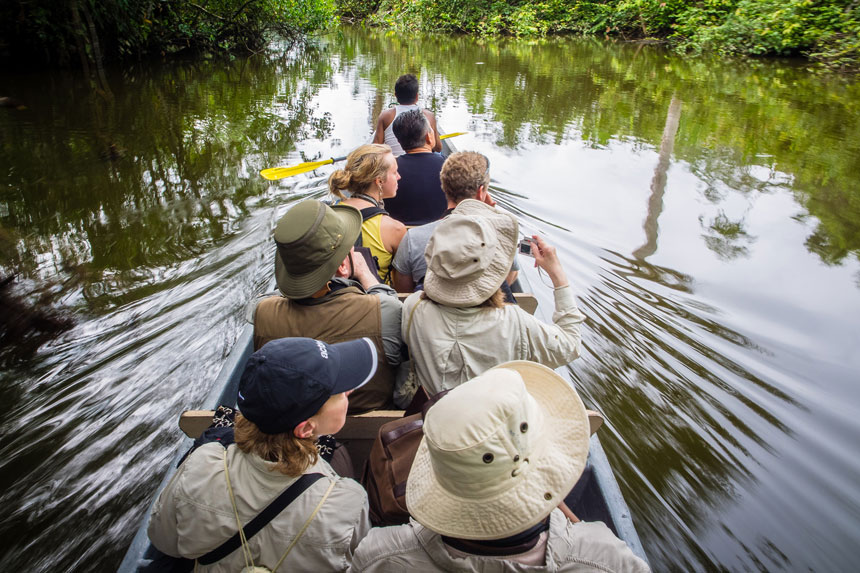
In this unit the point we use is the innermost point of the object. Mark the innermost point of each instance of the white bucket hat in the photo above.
(494, 470)
(469, 254)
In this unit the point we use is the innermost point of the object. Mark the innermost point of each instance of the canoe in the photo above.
(596, 497)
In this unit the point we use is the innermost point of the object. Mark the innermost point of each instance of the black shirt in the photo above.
(419, 197)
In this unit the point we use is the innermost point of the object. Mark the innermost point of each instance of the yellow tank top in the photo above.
(371, 237)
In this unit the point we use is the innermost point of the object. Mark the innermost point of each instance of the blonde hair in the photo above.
(292, 455)
(364, 165)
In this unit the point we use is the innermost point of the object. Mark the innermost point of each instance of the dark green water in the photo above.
(707, 211)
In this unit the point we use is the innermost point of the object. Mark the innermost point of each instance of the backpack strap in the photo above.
(255, 525)
(369, 213)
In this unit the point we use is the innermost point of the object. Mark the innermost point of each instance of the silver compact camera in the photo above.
(525, 247)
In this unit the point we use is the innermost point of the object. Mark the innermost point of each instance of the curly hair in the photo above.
(292, 455)
(462, 173)
(364, 165)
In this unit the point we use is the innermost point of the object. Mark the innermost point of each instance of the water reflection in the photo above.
(111, 191)
(148, 214)
(741, 119)
(706, 212)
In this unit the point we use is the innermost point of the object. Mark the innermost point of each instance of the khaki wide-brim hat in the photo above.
(312, 241)
(470, 254)
(499, 453)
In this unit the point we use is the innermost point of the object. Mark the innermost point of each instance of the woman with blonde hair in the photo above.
(370, 176)
(269, 499)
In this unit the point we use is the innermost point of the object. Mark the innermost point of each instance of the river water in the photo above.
(707, 212)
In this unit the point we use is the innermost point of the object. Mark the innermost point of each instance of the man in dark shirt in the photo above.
(420, 198)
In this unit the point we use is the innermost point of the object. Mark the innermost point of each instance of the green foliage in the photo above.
(825, 30)
(64, 33)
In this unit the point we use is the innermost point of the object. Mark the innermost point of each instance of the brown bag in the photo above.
(389, 463)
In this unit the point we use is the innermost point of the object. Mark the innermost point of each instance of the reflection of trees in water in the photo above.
(738, 117)
(189, 141)
(688, 413)
(658, 182)
(726, 238)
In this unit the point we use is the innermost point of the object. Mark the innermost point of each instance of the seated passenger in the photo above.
(464, 175)
(419, 197)
(406, 92)
(459, 327)
(498, 457)
(371, 176)
(330, 294)
(291, 391)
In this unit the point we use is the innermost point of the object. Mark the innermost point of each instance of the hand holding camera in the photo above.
(545, 258)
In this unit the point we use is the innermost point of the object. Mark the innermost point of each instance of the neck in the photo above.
(366, 197)
(519, 543)
(423, 149)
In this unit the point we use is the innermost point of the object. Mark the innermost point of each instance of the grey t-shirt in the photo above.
(409, 258)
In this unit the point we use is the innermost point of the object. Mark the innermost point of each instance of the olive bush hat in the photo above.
(499, 452)
(313, 239)
(469, 254)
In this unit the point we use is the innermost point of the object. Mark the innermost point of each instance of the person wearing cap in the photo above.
(499, 455)
(419, 198)
(291, 391)
(329, 293)
(406, 92)
(464, 175)
(459, 327)
(370, 175)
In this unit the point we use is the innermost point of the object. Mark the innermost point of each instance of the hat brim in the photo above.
(294, 285)
(358, 360)
(554, 467)
(462, 294)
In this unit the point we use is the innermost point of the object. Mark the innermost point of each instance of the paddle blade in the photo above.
(275, 173)
(447, 135)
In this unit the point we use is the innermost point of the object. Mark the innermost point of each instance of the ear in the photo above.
(343, 270)
(430, 137)
(305, 429)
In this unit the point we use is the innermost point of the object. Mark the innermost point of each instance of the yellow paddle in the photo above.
(275, 173)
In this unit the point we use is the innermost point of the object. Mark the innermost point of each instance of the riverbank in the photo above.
(826, 32)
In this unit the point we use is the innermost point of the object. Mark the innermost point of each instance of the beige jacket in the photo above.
(570, 546)
(193, 514)
(449, 345)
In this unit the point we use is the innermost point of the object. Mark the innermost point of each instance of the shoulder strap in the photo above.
(255, 525)
(371, 212)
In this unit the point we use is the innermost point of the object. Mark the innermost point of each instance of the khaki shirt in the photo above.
(193, 515)
(581, 547)
(451, 345)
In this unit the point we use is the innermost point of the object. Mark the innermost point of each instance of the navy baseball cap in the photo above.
(289, 379)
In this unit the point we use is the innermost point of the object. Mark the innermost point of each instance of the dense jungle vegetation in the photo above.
(88, 32)
(826, 31)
